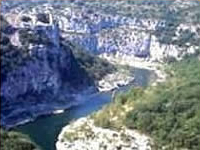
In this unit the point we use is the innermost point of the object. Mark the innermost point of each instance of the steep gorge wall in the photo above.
(38, 70)
(38, 75)
(121, 28)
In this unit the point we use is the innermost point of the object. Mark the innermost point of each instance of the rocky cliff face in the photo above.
(154, 30)
(115, 34)
(35, 65)
(38, 74)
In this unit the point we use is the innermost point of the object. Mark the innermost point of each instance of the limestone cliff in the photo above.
(38, 74)
(145, 29)
(36, 67)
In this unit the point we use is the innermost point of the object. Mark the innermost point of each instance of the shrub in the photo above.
(15, 141)
(94, 66)
(169, 111)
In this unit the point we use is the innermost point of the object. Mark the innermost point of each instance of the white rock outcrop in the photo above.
(83, 135)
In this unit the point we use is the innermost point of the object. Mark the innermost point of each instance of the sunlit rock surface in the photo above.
(83, 135)
(102, 27)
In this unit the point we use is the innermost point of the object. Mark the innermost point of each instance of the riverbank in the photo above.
(110, 82)
(121, 78)
(92, 102)
(75, 135)
(41, 110)
(143, 63)
(84, 135)
(51, 108)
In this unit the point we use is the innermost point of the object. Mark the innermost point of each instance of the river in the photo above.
(44, 130)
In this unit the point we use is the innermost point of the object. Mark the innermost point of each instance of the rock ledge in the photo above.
(84, 135)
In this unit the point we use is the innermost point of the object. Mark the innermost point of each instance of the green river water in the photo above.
(44, 130)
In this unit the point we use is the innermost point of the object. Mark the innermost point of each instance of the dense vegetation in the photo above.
(168, 112)
(94, 66)
(170, 15)
(15, 141)
(11, 56)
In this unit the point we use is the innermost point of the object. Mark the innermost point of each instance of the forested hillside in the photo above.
(168, 112)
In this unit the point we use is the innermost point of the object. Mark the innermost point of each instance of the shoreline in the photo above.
(115, 85)
(136, 62)
(83, 134)
(51, 109)
(115, 80)
(41, 114)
